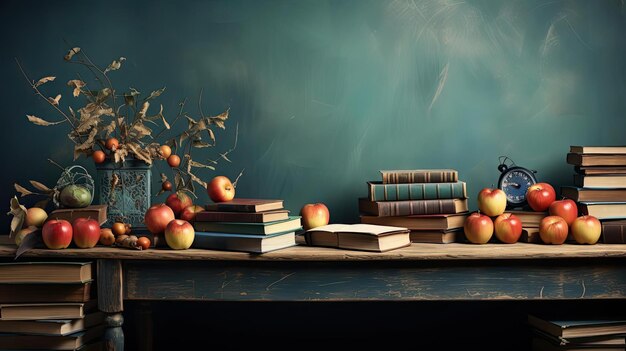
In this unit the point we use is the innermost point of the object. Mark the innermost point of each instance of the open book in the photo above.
(367, 237)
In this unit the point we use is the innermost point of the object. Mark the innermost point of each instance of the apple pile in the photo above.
(563, 218)
(59, 233)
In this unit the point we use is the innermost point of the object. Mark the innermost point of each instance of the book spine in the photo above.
(412, 207)
(420, 177)
(416, 191)
(241, 217)
(613, 234)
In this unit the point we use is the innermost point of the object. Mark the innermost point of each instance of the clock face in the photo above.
(515, 183)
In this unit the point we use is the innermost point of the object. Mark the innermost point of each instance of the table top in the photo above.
(415, 252)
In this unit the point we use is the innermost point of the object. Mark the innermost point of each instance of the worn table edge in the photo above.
(415, 252)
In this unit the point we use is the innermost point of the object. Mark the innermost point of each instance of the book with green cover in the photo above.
(291, 224)
(379, 191)
(576, 328)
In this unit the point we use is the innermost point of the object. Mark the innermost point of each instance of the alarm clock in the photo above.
(514, 181)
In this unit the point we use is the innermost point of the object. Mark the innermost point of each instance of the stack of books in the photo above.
(431, 203)
(530, 224)
(600, 187)
(249, 225)
(577, 334)
(49, 305)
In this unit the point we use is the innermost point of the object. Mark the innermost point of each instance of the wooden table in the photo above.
(419, 272)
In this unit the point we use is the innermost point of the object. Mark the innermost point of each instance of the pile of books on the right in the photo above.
(577, 334)
(432, 203)
(249, 225)
(600, 187)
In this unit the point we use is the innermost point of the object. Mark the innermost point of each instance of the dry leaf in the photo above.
(211, 135)
(77, 84)
(144, 109)
(44, 80)
(40, 122)
(178, 181)
(20, 189)
(30, 242)
(42, 203)
(225, 158)
(199, 143)
(156, 93)
(108, 130)
(198, 180)
(115, 65)
(193, 163)
(19, 214)
(55, 101)
(167, 125)
(103, 95)
(140, 153)
(40, 186)
(163, 178)
(71, 53)
(219, 119)
(139, 130)
(120, 154)
(86, 146)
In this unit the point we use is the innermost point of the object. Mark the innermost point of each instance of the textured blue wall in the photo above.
(326, 93)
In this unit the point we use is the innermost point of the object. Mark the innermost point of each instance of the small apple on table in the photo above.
(314, 215)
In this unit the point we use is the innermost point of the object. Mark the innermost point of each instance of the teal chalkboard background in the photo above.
(326, 93)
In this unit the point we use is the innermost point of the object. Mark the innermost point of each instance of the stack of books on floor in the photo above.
(431, 203)
(249, 225)
(600, 187)
(49, 306)
(577, 334)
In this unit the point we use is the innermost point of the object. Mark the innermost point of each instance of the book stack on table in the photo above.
(249, 225)
(550, 334)
(49, 305)
(600, 187)
(432, 203)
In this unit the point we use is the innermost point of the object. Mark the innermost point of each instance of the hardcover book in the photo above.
(416, 191)
(50, 342)
(419, 176)
(529, 218)
(420, 222)
(593, 195)
(246, 205)
(604, 210)
(600, 170)
(45, 272)
(614, 232)
(576, 328)
(530, 235)
(412, 207)
(45, 292)
(366, 237)
(244, 242)
(242, 217)
(52, 326)
(600, 181)
(291, 224)
(596, 159)
(437, 236)
(97, 212)
(32, 311)
(597, 149)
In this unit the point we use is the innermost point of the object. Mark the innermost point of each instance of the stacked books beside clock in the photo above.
(600, 187)
(431, 203)
(249, 225)
(49, 305)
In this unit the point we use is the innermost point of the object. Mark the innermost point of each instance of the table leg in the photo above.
(110, 301)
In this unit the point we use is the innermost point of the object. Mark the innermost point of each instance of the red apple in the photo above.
(540, 196)
(157, 217)
(553, 230)
(478, 228)
(189, 213)
(178, 202)
(586, 230)
(565, 209)
(220, 189)
(57, 234)
(179, 234)
(314, 215)
(508, 228)
(86, 232)
(491, 202)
